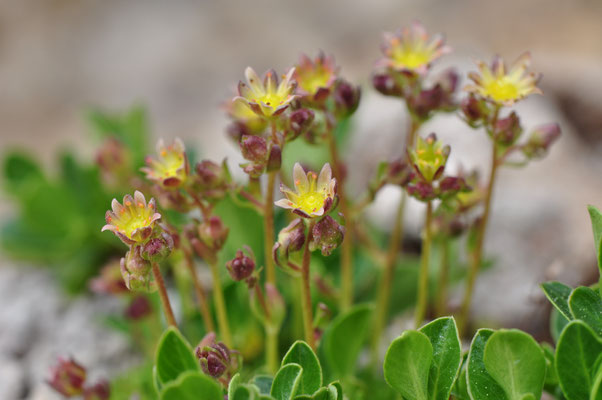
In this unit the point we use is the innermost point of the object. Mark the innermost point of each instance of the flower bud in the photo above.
(215, 358)
(450, 185)
(299, 122)
(240, 267)
(327, 235)
(346, 98)
(399, 172)
(426, 102)
(136, 271)
(67, 377)
(158, 249)
(213, 233)
(507, 130)
(274, 158)
(386, 84)
(138, 308)
(540, 140)
(422, 191)
(99, 391)
(254, 148)
(474, 110)
(290, 239)
(212, 178)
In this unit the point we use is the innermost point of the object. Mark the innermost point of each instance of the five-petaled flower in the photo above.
(429, 157)
(502, 86)
(412, 49)
(269, 98)
(315, 78)
(314, 195)
(134, 220)
(171, 168)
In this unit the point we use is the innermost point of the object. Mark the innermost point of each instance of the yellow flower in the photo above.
(411, 49)
(134, 221)
(429, 157)
(313, 196)
(171, 168)
(315, 77)
(269, 98)
(504, 87)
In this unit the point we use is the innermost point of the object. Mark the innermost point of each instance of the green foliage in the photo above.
(300, 353)
(174, 357)
(190, 385)
(480, 384)
(343, 339)
(286, 382)
(586, 305)
(558, 294)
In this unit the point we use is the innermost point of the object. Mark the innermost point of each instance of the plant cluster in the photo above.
(307, 264)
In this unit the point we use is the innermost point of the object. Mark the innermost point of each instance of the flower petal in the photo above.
(324, 177)
(300, 179)
(285, 203)
(254, 81)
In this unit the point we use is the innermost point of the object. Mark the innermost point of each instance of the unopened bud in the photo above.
(422, 191)
(158, 249)
(327, 235)
(450, 185)
(214, 358)
(290, 239)
(211, 176)
(426, 102)
(399, 172)
(474, 110)
(507, 130)
(300, 121)
(67, 377)
(274, 158)
(386, 84)
(254, 148)
(213, 233)
(136, 271)
(540, 140)
(240, 267)
(346, 98)
(99, 391)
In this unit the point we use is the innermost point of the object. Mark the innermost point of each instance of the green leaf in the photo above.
(447, 356)
(21, 172)
(596, 392)
(189, 385)
(263, 383)
(551, 377)
(174, 356)
(481, 386)
(343, 339)
(286, 382)
(244, 392)
(325, 393)
(300, 353)
(516, 362)
(586, 305)
(558, 294)
(576, 354)
(596, 218)
(233, 385)
(407, 364)
(557, 324)
(460, 388)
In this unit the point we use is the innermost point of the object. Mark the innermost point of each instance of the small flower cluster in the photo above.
(69, 378)
(216, 359)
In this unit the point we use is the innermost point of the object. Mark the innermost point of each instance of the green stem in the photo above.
(386, 281)
(441, 295)
(271, 332)
(306, 291)
(477, 254)
(220, 305)
(200, 292)
(346, 297)
(268, 221)
(167, 310)
(423, 278)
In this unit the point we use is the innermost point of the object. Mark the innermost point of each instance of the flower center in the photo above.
(170, 164)
(312, 81)
(502, 89)
(311, 201)
(411, 58)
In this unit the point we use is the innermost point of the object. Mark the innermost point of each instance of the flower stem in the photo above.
(384, 294)
(441, 295)
(423, 278)
(271, 332)
(306, 292)
(220, 305)
(167, 310)
(475, 260)
(346, 297)
(268, 221)
(200, 292)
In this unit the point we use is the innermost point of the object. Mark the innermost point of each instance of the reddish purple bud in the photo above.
(214, 358)
(451, 185)
(426, 101)
(346, 98)
(274, 158)
(540, 140)
(99, 391)
(385, 84)
(300, 121)
(213, 233)
(327, 235)
(139, 308)
(240, 267)
(136, 270)
(158, 249)
(474, 110)
(254, 148)
(399, 172)
(67, 377)
(507, 130)
(211, 175)
(421, 190)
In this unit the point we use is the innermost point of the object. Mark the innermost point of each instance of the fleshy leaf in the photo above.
(576, 354)
(189, 385)
(516, 362)
(481, 386)
(586, 305)
(300, 353)
(596, 218)
(558, 294)
(407, 364)
(286, 381)
(174, 356)
(447, 356)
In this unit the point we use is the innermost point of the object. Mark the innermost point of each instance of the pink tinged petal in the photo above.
(160, 146)
(128, 241)
(285, 203)
(140, 199)
(301, 213)
(288, 193)
(324, 177)
(117, 207)
(327, 204)
(318, 213)
(270, 81)
(155, 217)
(245, 91)
(280, 109)
(254, 81)
(300, 179)
(109, 227)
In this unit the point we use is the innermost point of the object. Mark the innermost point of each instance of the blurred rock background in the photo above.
(183, 58)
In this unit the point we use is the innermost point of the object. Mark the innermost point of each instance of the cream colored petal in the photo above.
(254, 81)
(324, 177)
(285, 203)
(300, 179)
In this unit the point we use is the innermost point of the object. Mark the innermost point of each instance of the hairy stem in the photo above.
(306, 292)
(346, 297)
(423, 278)
(220, 305)
(268, 222)
(200, 293)
(441, 295)
(167, 310)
